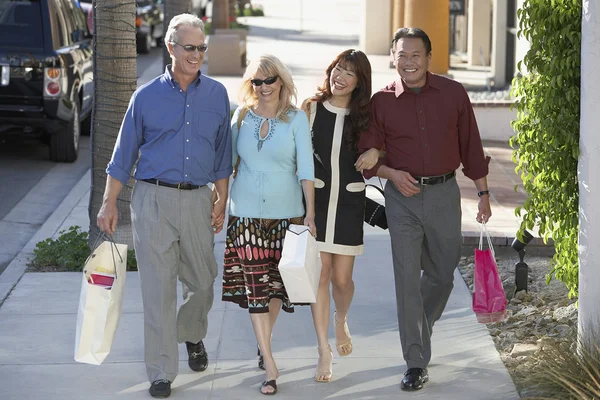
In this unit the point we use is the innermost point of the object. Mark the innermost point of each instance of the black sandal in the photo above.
(261, 360)
(270, 383)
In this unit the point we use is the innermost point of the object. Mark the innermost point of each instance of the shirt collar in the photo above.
(431, 80)
(172, 81)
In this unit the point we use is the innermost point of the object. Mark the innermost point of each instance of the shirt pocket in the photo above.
(207, 125)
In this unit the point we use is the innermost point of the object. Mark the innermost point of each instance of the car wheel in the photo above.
(144, 43)
(64, 144)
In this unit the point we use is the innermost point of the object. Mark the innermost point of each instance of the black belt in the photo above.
(434, 180)
(180, 186)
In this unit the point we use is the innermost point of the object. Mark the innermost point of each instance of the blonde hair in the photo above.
(269, 65)
(181, 20)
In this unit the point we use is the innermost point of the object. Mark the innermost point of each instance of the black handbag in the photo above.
(375, 212)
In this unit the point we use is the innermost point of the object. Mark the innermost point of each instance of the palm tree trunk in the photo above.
(173, 8)
(115, 78)
(220, 14)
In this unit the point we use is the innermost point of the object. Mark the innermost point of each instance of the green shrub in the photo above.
(249, 11)
(208, 28)
(68, 253)
(258, 12)
(237, 25)
(547, 128)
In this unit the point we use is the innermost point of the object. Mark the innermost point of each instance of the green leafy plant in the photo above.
(249, 10)
(546, 144)
(237, 25)
(208, 30)
(68, 252)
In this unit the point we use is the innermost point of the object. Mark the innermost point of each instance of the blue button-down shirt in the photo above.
(181, 136)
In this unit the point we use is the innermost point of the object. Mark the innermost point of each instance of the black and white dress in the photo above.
(339, 188)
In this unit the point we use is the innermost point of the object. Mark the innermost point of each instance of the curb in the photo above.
(17, 267)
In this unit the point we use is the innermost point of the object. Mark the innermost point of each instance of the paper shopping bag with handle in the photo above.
(300, 265)
(100, 301)
(489, 300)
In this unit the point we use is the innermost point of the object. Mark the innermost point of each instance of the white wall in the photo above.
(494, 122)
(589, 164)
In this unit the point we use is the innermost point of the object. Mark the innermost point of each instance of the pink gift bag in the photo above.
(489, 300)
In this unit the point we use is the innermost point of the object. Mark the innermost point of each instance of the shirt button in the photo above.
(264, 200)
(186, 175)
(189, 123)
(188, 140)
(188, 105)
(425, 144)
(180, 90)
(422, 128)
(187, 158)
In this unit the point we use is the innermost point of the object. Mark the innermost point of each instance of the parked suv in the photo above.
(46, 85)
(149, 16)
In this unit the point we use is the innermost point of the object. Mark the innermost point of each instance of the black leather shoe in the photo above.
(414, 379)
(197, 357)
(160, 388)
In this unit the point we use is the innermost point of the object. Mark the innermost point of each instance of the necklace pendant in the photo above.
(259, 145)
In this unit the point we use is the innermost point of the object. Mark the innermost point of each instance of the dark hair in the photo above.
(413, 33)
(360, 110)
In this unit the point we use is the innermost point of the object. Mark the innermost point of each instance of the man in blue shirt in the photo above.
(179, 125)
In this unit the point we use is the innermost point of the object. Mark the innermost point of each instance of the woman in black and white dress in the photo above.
(338, 113)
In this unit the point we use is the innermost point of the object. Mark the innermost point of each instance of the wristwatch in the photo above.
(483, 192)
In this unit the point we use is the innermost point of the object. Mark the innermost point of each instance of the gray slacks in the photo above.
(173, 238)
(425, 232)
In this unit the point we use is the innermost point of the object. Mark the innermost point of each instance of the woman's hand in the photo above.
(310, 222)
(367, 160)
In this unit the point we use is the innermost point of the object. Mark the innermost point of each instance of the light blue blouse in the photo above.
(267, 184)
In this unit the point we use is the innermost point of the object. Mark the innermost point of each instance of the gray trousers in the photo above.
(173, 238)
(425, 231)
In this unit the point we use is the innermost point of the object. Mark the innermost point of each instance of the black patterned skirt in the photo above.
(250, 268)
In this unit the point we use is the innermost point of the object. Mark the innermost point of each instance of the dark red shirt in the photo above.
(428, 133)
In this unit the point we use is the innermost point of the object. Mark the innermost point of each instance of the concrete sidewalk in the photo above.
(37, 318)
(37, 332)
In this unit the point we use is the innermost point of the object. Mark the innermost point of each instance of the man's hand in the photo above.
(485, 210)
(218, 213)
(405, 183)
(367, 160)
(108, 217)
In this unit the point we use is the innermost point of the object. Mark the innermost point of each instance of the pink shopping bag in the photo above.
(489, 300)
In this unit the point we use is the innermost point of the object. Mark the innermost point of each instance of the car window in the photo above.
(21, 24)
(63, 24)
(79, 20)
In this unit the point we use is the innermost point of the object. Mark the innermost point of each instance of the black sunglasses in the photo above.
(269, 81)
(190, 47)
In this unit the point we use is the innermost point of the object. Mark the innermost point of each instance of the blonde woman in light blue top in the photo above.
(274, 173)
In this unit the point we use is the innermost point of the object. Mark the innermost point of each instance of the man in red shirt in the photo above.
(425, 123)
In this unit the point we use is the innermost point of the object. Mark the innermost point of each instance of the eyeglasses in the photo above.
(269, 81)
(191, 48)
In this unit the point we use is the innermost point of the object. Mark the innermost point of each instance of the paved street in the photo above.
(32, 186)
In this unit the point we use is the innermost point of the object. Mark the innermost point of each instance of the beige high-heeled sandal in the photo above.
(343, 348)
(322, 375)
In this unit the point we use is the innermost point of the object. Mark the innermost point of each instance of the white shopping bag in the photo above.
(100, 302)
(300, 265)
